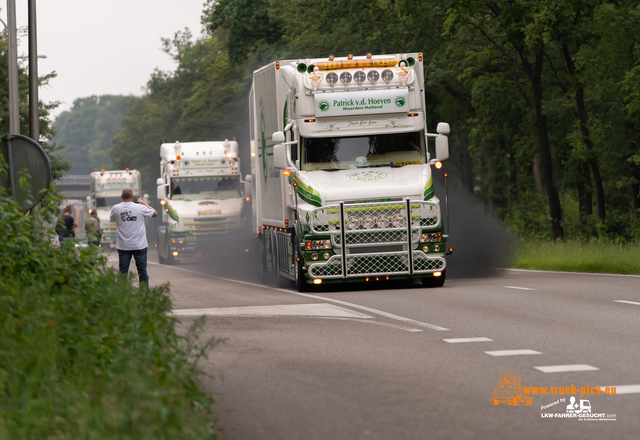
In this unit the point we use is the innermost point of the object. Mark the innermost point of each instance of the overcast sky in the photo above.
(103, 46)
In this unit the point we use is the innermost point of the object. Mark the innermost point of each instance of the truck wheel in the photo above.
(301, 282)
(161, 259)
(265, 275)
(435, 281)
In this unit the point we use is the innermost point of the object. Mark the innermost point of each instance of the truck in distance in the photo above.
(104, 192)
(202, 197)
(341, 172)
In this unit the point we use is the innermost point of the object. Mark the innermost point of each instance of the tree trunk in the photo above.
(534, 74)
(581, 113)
(584, 193)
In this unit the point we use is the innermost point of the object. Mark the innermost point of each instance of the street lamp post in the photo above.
(34, 116)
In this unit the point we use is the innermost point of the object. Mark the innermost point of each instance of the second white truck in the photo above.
(203, 198)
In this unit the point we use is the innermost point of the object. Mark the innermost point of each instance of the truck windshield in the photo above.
(339, 153)
(200, 188)
(107, 201)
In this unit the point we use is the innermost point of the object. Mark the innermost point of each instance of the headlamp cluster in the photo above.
(369, 222)
(360, 77)
(317, 244)
(431, 237)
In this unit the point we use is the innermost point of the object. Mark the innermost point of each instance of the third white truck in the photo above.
(341, 173)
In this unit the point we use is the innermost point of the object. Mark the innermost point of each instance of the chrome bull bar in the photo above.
(362, 226)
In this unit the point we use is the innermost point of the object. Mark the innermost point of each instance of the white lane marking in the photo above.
(519, 288)
(315, 310)
(624, 389)
(626, 302)
(570, 273)
(566, 368)
(511, 352)
(384, 324)
(336, 301)
(458, 340)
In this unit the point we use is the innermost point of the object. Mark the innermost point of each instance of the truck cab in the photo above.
(202, 197)
(343, 186)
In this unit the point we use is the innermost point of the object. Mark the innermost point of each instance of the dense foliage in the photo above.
(87, 131)
(58, 164)
(543, 96)
(84, 353)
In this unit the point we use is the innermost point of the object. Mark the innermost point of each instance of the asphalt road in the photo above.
(390, 361)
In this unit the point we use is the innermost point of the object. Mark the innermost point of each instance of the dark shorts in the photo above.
(140, 256)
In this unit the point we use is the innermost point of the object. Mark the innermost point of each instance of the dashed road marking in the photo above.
(624, 389)
(519, 288)
(315, 310)
(511, 352)
(566, 368)
(458, 340)
(626, 302)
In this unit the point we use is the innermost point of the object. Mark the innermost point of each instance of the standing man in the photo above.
(65, 225)
(129, 217)
(92, 228)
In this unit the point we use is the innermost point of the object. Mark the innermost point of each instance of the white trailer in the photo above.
(104, 192)
(203, 199)
(341, 173)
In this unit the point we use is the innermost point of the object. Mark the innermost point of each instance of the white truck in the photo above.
(341, 172)
(202, 198)
(104, 192)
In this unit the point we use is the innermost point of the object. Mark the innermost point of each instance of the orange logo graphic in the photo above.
(509, 390)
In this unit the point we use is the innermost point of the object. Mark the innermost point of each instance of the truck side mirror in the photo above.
(146, 198)
(247, 188)
(159, 182)
(443, 128)
(280, 156)
(162, 191)
(278, 137)
(442, 147)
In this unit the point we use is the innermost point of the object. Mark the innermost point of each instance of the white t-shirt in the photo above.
(129, 218)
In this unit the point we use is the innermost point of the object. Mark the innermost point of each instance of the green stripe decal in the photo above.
(172, 213)
(306, 193)
(428, 189)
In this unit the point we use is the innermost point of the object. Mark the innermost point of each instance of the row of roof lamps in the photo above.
(116, 174)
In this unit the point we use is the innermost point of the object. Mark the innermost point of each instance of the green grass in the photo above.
(84, 353)
(579, 256)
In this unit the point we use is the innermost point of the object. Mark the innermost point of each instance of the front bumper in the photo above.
(375, 250)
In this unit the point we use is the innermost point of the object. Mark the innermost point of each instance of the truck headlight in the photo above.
(383, 222)
(387, 75)
(332, 78)
(431, 237)
(352, 222)
(312, 245)
(359, 77)
(373, 76)
(367, 222)
(397, 220)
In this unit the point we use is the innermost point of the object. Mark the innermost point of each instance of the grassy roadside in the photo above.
(579, 256)
(84, 354)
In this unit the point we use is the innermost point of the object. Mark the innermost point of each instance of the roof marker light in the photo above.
(369, 56)
(286, 173)
(331, 57)
(412, 115)
(438, 165)
(306, 120)
(350, 56)
(277, 64)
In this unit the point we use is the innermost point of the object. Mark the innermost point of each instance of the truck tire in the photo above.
(265, 275)
(435, 281)
(301, 283)
(161, 259)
